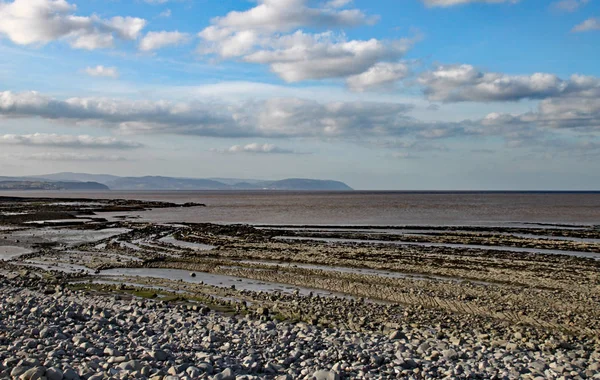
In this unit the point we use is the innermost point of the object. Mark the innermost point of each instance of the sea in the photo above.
(381, 208)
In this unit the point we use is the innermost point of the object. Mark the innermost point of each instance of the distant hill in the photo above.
(164, 183)
(236, 181)
(78, 177)
(84, 181)
(44, 185)
(168, 183)
(7, 179)
(308, 184)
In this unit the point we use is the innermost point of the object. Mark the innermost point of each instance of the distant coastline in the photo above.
(106, 182)
(84, 181)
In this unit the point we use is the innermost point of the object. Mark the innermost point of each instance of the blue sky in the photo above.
(414, 94)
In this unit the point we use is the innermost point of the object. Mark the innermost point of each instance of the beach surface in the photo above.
(97, 287)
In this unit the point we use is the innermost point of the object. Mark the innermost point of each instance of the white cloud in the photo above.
(286, 15)
(158, 40)
(257, 148)
(450, 3)
(128, 28)
(569, 5)
(165, 14)
(412, 145)
(67, 141)
(102, 71)
(337, 3)
(379, 75)
(93, 41)
(571, 112)
(27, 22)
(457, 83)
(588, 25)
(302, 56)
(263, 35)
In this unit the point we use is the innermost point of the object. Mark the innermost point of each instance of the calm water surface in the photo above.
(360, 208)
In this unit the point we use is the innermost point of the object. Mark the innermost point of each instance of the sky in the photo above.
(383, 95)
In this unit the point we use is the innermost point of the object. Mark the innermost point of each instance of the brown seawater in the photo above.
(361, 208)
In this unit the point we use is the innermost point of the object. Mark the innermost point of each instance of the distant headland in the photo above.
(84, 181)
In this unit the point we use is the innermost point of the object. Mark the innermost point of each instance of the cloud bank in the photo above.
(278, 117)
(563, 118)
(67, 141)
(460, 83)
(68, 157)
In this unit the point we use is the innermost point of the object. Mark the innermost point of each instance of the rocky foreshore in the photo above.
(48, 331)
(84, 297)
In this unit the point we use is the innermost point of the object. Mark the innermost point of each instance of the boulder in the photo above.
(54, 374)
(35, 373)
(227, 374)
(325, 375)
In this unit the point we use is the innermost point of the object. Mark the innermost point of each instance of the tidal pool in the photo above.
(219, 280)
(71, 236)
(56, 266)
(9, 252)
(186, 244)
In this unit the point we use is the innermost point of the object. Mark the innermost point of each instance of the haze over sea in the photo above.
(362, 207)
